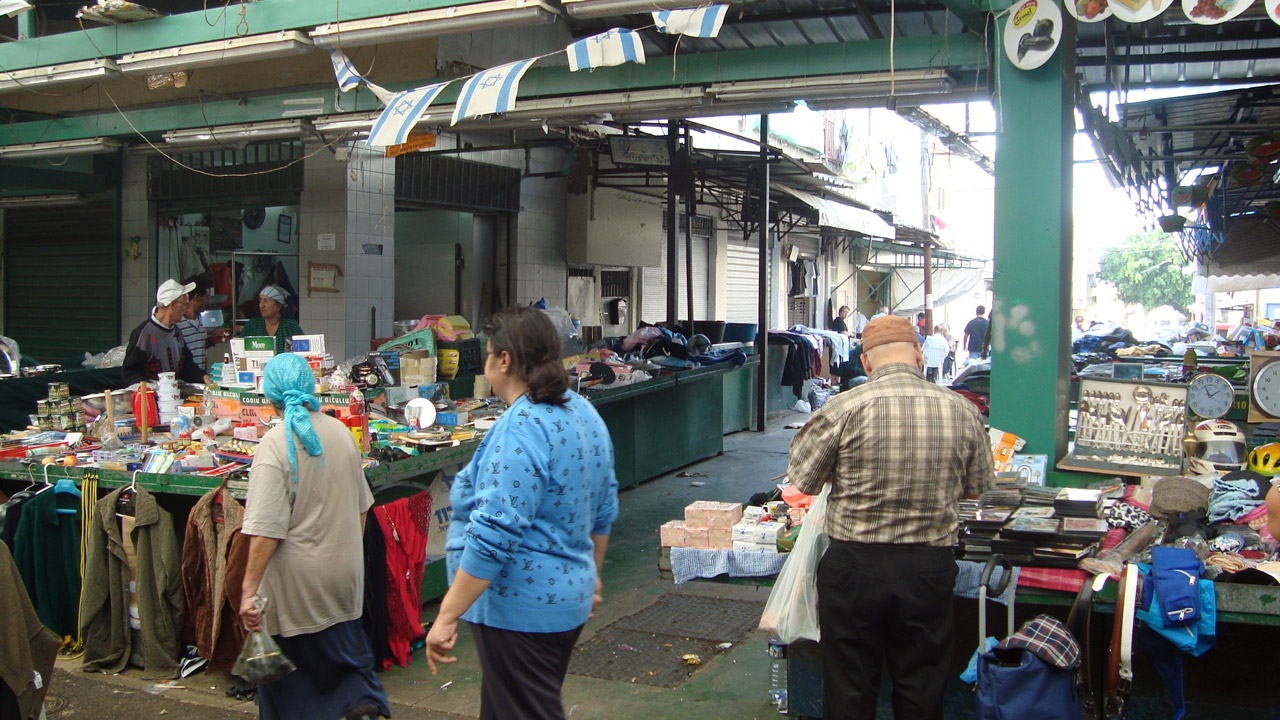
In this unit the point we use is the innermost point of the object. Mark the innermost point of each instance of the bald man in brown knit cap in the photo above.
(899, 452)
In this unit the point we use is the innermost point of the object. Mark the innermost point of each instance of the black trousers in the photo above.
(521, 672)
(888, 604)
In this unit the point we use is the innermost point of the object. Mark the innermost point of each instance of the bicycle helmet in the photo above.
(1219, 447)
(1265, 460)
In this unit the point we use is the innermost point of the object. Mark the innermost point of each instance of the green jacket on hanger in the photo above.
(104, 609)
(27, 655)
(47, 551)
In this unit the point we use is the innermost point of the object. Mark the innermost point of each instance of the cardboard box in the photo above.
(755, 547)
(709, 513)
(453, 418)
(753, 513)
(307, 344)
(673, 534)
(387, 364)
(759, 533)
(417, 368)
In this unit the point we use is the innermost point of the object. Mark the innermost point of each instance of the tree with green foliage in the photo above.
(1148, 270)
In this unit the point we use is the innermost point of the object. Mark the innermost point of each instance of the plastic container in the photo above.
(778, 674)
(470, 356)
(739, 332)
(713, 329)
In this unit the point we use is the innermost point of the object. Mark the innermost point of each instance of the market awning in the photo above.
(1247, 259)
(907, 286)
(841, 216)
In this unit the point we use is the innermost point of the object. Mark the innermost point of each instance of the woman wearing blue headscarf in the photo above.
(305, 516)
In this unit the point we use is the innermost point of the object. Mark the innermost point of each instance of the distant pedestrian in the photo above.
(976, 334)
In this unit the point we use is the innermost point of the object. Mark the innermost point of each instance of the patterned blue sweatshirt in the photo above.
(524, 509)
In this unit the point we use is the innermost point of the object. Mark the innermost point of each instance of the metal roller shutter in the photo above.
(742, 285)
(653, 292)
(62, 281)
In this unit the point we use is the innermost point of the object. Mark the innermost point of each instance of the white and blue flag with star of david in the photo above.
(615, 47)
(703, 22)
(348, 78)
(491, 91)
(403, 112)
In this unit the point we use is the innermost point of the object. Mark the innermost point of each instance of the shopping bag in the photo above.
(791, 612)
(262, 662)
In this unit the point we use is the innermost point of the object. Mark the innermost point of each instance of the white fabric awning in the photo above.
(907, 287)
(844, 217)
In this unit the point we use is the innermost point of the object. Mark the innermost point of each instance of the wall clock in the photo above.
(1264, 386)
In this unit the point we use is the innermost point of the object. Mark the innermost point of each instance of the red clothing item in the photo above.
(405, 523)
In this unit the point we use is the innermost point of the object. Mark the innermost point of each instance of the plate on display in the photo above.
(1089, 11)
(1273, 11)
(1032, 32)
(1212, 12)
(1136, 11)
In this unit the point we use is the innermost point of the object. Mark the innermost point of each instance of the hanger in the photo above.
(219, 518)
(64, 486)
(125, 501)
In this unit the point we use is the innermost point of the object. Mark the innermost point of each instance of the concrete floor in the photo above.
(731, 684)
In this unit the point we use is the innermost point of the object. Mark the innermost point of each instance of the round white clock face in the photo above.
(1210, 396)
(1266, 388)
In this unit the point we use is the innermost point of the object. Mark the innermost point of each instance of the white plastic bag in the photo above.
(791, 613)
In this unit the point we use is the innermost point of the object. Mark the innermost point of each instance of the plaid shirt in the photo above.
(902, 451)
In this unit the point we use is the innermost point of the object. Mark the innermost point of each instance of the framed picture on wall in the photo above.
(284, 231)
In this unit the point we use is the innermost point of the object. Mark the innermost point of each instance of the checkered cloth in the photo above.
(690, 563)
(1048, 639)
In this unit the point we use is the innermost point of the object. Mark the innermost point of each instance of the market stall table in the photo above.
(18, 396)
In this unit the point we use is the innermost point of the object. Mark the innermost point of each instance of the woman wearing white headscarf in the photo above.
(271, 300)
(305, 516)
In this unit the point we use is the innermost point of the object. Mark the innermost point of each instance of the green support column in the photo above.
(1030, 342)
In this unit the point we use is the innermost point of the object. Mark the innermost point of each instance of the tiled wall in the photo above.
(137, 219)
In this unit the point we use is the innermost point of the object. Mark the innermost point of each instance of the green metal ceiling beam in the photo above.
(217, 23)
(690, 70)
(973, 13)
(14, 176)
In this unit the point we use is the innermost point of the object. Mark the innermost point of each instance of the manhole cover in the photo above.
(54, 703)
(644, 658)
(696, 616)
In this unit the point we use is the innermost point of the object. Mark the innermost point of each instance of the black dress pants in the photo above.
(890, 604)
(521, 673)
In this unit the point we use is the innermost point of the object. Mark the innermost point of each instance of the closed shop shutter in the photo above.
(653, 293)
(62, 281)
(742, 285)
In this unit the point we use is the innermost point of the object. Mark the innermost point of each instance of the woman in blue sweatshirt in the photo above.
(531, 518)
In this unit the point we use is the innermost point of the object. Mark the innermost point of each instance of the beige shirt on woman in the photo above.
(315, 580)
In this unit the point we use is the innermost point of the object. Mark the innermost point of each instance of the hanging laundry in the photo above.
(104, 613)
(375, 594)
(405, 523)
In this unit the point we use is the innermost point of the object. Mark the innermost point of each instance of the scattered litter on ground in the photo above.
(442, 687)
(628, 647)
(691, 659)
(697, 483)
(686, 473)
(724, 646)
(161, 687)
(794, 425)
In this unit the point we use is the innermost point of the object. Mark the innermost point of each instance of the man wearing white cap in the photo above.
(154, 346)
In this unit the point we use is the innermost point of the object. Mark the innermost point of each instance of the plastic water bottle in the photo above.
(778, 674)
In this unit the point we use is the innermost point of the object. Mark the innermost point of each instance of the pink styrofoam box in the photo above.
(711, 513)
(673, 534)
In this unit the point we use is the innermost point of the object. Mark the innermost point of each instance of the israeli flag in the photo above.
(402, 113)
(492, 91)
(348, 78)
(703, 22)
(615, 47)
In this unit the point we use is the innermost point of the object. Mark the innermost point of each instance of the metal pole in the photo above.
(688, 242)
(673, 265)
(762, 332)
(928, 289)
